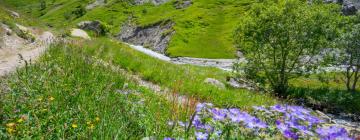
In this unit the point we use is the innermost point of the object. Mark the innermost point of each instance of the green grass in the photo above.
(203, 30)
(325, 92)
(185, 79)
(65, 94)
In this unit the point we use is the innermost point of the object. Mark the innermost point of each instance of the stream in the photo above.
(224, 64)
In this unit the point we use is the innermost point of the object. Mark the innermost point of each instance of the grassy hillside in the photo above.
(202, 30)
(68, 96)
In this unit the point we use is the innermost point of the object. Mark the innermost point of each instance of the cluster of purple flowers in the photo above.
(296, 122)
(293, 122)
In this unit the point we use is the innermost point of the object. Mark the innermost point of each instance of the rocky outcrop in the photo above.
(95, 26)
(182, 4)
(79, 33)
(155, 2)
(155, 37)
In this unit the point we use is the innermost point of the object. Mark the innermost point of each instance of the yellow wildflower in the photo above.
(91, 126)
(74, 126)
(97, 119)
(20, 120)
(10, 124)
(10, 130)
(51, 98)
(88, 123)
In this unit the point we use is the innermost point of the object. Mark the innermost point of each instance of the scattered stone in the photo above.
(95, 4)
(155, 37)
(80, 33)
(6, 29)
(240, 83)
(95, 26)
(214, 82)
(22, 28)
(14, 14)
(182, 4)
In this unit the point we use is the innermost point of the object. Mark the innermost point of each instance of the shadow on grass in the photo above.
(327, 99)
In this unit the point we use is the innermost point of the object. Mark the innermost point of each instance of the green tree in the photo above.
(350, 43)
(277, 36)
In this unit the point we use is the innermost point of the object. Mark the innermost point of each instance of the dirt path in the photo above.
(15, 56)
(169, 94)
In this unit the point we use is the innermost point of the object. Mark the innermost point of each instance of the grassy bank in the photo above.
(67, 96)
(185, 79)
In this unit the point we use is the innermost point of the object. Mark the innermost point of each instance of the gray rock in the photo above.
(14, 14)
(155, 37)
(240, 83)
(214, 82)
(6, 29)
(181, 4)
(79, 33)
(348, 9)
(95, 26)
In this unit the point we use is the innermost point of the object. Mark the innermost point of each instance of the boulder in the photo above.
(214, 82)
(95, 26)
(240, 83)
(80, 33)
(348, 9)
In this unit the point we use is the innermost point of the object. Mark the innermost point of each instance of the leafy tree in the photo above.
(279, 39)
(350, 43)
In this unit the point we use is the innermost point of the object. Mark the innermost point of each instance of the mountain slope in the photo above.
(204, 29)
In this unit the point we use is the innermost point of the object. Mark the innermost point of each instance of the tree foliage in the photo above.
(349, 42)
(280, 38)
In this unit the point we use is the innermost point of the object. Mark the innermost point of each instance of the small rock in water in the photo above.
(214, 82)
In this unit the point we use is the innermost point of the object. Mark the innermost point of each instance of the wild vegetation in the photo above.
(291, 48)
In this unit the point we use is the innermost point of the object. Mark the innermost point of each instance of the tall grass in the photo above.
(68, 96)
(186, 79)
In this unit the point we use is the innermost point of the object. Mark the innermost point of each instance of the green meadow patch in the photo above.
(68, 96)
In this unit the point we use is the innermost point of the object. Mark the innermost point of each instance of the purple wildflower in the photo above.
(218, 114)
(278, 108)
(332, 133)
(168, 138)
(201, 136)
